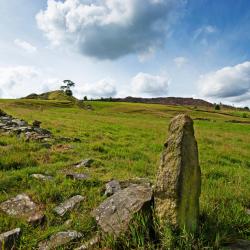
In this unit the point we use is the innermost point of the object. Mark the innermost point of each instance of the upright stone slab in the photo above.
(178, 183)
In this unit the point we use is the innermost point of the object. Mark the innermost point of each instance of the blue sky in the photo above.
(195, 48)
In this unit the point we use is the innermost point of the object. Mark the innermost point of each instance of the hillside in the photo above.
(125, 141)
(51, 95)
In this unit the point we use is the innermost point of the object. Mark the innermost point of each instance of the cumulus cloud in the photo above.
(103, 88)
(180, 61)
(150, 85)
(229, 82)
(108, 29)
(22, 80)
(204, 31)
(25, 46)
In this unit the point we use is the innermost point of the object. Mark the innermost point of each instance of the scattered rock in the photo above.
(42, 177)
(89, 244)
(68, 205)
(112, 187)
(238, 245)
(77, 176)
(8, 239)
(22, 206)
(59, 239)
(114, 214)
(84, 163)
(178, 183)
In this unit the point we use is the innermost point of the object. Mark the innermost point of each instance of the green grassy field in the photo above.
(126, 141)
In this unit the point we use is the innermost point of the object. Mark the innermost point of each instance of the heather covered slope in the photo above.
(125, 140)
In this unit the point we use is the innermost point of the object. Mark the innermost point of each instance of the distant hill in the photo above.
(164, 100)
(52, 95)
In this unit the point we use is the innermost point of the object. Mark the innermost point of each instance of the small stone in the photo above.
(112, 187)
(248, 211)
(8, 239)
(76, 176)
(36, 124)
(89, 244)
(178, 184)
(42, 177)
(115, 213)
(22, 206)
(84, 163)
(68, 205)
(59, 239)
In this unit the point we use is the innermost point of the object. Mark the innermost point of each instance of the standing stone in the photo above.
(178, 183)
(8, 239)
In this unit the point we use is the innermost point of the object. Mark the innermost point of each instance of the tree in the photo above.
(217, 107)
(66, 88)
(85, 98)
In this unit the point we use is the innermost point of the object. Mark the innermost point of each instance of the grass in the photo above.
(126, 141)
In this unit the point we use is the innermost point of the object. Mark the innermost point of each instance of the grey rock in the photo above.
(77, 176)
(59, 239)
(84, 163)
(22, 206)
(89, 244)
(248, 211)
(115, 213)
(68, 205)
(8, 239)
(178, 183)
(112, 187)
(42, 177)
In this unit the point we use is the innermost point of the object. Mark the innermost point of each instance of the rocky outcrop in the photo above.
(9, 124)
(22, 206)
(9, 239)
(112, 187)
(68, 205)
(115, 213)
(178, 183)
(59, 239)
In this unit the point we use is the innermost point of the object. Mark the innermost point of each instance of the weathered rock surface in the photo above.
(8, 239)
(42, 177)
(112, 187)
(22, 206)
(59, 239)
(84, 163)
(114, 214)
(178, 184)
(77, 176)
(89, 244)
(68, 205)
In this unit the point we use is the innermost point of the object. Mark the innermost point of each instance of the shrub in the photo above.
(217, 107)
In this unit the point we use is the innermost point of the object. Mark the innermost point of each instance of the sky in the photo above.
(119, 48)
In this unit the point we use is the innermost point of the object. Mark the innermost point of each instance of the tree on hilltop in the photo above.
(66, 88)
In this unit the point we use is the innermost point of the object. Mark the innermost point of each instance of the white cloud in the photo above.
(103, 88)
(20, 81)
(108, 29)
(230, 82)
(180, 61)
(204, 31)
(25, 46)
(150, 85)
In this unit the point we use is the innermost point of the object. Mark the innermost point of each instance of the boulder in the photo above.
(77, 176)
(22, 206)
(115, 213)
(84, 163)
(8, 239)
(112, 187)
(89, 244)
(59, 239)
(178, 183)
(68, 205)
(42, 177)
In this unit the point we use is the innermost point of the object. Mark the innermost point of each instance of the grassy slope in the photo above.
(126, 140)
